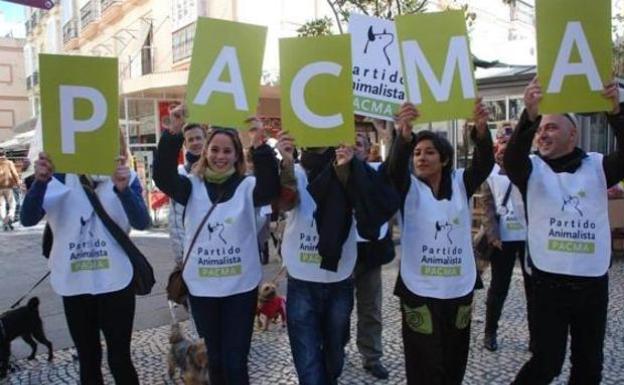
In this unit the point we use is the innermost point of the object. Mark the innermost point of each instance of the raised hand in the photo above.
(532, 98)
(612, 92)
(178, 115)
(407, 114)
(44, 168)
(480, 116)
(344, 154)
(256, 131)
(286, 146)
(121, 176)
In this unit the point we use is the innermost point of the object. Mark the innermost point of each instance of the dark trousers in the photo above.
(226, 324)
(113, 314)
(436, 338)
(368, 295)
(561, 306)
(319, 315)
(502, 263)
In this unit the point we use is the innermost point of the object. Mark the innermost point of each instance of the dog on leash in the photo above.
(22, 322)
(188, 356)
(271, 306)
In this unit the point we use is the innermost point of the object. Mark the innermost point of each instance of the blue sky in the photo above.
(12, 11)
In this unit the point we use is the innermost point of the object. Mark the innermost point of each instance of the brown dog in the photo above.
(190, 357)
(271, 307)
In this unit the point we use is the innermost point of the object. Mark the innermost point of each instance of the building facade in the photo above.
(14, 106)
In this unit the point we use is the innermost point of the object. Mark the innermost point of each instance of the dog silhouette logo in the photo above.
(385, 38)
(572, 203)
(217, 229)
(445, 227)
(85, 227)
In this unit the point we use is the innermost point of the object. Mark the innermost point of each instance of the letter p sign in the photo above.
(79, 103)
(70, 125)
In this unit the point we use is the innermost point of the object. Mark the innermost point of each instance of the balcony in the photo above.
(70, 35)
(35, 79)
(88, 19)
(28, 28)
(111, 11)
(29, 84)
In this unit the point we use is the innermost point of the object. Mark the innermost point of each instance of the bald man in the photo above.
(569, 240)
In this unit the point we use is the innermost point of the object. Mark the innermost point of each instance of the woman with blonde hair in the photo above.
(222, 263)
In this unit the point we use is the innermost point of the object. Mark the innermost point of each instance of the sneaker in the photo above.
(377, 370)
(489, 342)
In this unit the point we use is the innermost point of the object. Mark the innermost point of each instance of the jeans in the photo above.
(318, 328)
(113, 314)
(226, 324)
(561, 307)
(368, 305)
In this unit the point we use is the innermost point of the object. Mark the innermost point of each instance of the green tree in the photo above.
(618, 44)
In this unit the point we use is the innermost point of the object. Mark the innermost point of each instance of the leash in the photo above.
(16, 304)
(278, 275)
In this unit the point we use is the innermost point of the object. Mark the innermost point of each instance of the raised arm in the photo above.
(483, 154)
(516, 160)
(397, 164)
(32, 208)
(166, 176)
(288, 195)
(266, 171)
(613, 163)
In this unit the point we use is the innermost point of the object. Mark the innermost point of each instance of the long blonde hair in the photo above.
(202, 164)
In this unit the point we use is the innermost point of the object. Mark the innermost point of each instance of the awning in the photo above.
(19, 141)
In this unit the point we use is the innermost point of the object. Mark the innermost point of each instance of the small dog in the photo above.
(22, 322)
(190, 357)
(270, 306)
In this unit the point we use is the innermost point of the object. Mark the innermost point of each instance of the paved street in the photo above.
(270, 360)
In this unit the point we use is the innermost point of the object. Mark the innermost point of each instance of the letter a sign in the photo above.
(574, 54)
(79, 112)
(437, 64)
(224, 80)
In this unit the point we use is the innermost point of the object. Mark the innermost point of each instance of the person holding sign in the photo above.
(325, 197)
(505, 229)
(438, 273)
(221, 266)
(367, 282)
(569, 240)
(89, 268)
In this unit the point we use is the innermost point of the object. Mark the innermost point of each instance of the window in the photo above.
(182, 42)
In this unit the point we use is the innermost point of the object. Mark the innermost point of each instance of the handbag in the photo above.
(482, 248)
(143, 277)
(177, 291)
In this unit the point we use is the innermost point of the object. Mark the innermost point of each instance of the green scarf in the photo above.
(218, 177)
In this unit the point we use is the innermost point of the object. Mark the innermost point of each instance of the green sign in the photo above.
(439, 76)
(79, 108)
(224, 80)
(316, 101)
(574, 54)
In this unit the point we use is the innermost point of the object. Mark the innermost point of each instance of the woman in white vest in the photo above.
(569, 239)
(223, 269)
(89, 269)
(437, 273)
(505, 229)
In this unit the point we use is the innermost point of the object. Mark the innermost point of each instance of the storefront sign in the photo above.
(316, 100)
(224, 80)
(437, 64)
(574, 54)
(79, 112)
(378, 89)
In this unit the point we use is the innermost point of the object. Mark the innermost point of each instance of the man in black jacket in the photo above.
(565, 193)
(367, 281)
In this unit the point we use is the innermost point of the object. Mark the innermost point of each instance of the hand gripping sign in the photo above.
(224, 80)
(79, 112)
(574, 54)
(439, 76)
(316, 102)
